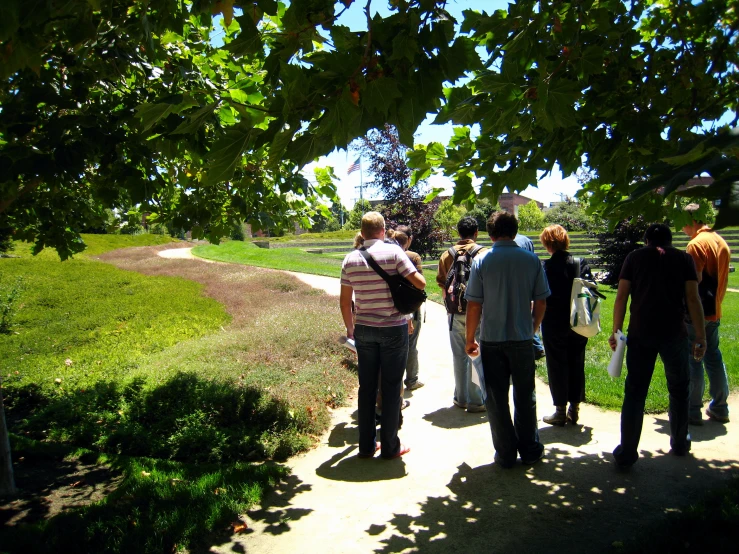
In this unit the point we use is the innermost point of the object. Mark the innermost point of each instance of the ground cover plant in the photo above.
(153, 378)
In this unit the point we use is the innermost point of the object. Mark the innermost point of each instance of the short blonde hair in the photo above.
(555, 238)
(372, 224)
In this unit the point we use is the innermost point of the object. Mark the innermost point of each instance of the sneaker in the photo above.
(716, 417)
(539, 355)
(460, 404)
(404, 404)
(475, 409)
(697, 421)
(414, 386)
(624, 460)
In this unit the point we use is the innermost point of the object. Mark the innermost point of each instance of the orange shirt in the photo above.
(712, 255)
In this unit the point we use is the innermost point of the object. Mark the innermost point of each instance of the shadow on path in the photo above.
(495, 510)
(709, 431)
(455, 418)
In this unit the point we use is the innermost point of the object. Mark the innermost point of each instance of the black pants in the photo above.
(565, 364)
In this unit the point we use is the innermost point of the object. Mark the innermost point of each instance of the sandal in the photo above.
(403, 450)
(363, 455)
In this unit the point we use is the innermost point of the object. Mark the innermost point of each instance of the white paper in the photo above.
(349, 343)
(617, 359)
(474, 377)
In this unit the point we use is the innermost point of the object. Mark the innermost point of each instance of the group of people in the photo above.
(509, 297)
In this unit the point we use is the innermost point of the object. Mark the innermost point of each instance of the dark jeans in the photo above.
(565, 364)
(641, 355)
(386, 348)
(501, 362)
(411, 368)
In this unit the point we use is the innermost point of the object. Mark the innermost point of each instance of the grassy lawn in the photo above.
(601, 389)
(605, 391)
(293, 259)
(150, 378)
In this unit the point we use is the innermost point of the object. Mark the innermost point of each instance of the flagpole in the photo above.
(361, 178)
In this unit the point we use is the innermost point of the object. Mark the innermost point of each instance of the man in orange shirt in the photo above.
(711, 255)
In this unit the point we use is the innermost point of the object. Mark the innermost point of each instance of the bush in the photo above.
(481, 212)
(614, 247)
(237, 232)
(360, 208)
(6, 241)
(530, 217)
(447, 216)
(572, 216)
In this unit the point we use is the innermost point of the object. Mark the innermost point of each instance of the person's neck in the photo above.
(499, 239)
(698, 228)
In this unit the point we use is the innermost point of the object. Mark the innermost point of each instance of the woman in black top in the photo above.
(565, 349)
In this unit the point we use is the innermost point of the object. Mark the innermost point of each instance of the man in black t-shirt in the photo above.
(661, 280)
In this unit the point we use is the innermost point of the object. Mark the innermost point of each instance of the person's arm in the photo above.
(417, 280)
(695, 309)
(472, 321)
(540, 306)
(619, 310)
(345, 302)
(441, 273)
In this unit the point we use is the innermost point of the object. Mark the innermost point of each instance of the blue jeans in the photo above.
(386, 348)
(465, 391)
(538, 344)
(641, 355)
(718, 382)
(411, 369)
(503, 362)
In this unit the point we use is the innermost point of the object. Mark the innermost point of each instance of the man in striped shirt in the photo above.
(380, 333)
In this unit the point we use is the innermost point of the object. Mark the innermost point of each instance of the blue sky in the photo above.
(549, 188)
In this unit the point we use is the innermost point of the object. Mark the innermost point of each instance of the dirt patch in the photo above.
(53, 486)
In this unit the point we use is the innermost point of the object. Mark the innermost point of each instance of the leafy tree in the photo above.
(530, 217)
(482, 212)
(109, 102)
(447, 216)
(405, 200)
(614, 246)
(572, 216)
(360, 208)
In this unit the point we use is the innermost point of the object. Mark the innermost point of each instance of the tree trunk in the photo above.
(7, 483)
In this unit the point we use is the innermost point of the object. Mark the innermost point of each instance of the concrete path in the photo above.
(447, 496)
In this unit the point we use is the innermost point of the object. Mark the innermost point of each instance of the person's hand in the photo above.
(699, 349)
(350, 333)
(472, 348)
(410, 327)
(612, 341)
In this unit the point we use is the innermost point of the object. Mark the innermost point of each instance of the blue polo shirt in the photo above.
(505, 281)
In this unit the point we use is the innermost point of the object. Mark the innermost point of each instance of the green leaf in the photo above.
(279, 145)
(380, 94)
(249, 40)
(519, 178)
(226, 155)
(94, 4)
(150, 114)
(463, 190)
(195, 121)
(9, 20)
(728, 212)
(695, 154)
(404, 47)
(591, 61)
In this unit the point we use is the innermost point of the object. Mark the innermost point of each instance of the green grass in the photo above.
(159, 506)
(292, 259)
(734, 280)
(141, 371)
(328, 236)
(95, 245)
(603, 390)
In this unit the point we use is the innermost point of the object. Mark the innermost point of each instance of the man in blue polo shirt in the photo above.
(501, 288)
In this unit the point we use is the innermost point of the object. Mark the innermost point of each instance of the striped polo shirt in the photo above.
(374, 305)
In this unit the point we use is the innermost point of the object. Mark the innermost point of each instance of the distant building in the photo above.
(510, 201)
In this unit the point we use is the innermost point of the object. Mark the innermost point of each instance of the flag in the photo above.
(354, 167)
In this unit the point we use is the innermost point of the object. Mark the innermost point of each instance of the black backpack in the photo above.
(456, 279)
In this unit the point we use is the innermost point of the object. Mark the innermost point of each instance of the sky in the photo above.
(549, 188)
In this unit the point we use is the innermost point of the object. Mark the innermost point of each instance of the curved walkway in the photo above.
(447, 496)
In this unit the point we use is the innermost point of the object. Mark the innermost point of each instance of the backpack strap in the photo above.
(475, 250)
(578, 266)
(374, 265)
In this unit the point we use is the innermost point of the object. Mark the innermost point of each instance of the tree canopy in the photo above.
(114, 103)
